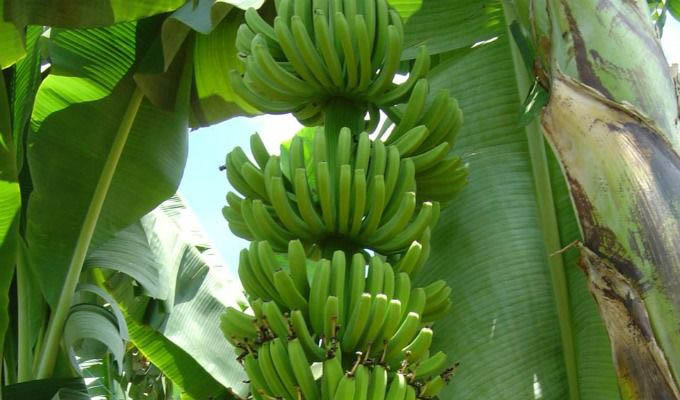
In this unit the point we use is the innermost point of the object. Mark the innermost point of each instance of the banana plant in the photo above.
(618, 147)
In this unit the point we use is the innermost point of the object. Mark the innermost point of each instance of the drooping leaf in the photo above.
(76, 115)
(130, 252)
(215, 55)
(504, 327)
(198, 293)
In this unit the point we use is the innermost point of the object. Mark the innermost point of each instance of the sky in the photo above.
(204, 186)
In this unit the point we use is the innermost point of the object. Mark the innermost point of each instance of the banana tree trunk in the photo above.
(612, 120)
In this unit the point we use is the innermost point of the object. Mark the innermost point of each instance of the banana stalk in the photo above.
(612, 122)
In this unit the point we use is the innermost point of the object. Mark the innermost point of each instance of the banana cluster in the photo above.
(282, 371)
(360, 190)
(340, 225)
(323, 49)
(364, 312)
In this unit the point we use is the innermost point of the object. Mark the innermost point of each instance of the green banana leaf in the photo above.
(184, 322)
(523, 324)
(77, 112)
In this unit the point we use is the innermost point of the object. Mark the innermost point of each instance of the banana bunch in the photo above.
(362, 191)
(345, 299)
(365, 320)
(281, 370)
(318, 50)
(439, 176)
(339, 227)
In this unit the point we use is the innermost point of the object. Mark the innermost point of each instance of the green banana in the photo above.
(376, 276)
(258, 149)
(357, 281)
(388, 281)
(409, 141)
(325, 44)
(377, 196)
(419, 346)
(376, 320)
(392, 172)
(359, 205)
(409, 260)
(249, 279)
(380, 35)
(362, 377)
(318, 293)
(323, 182)
(258, 383)
(363, 152)
(419, 70)
(337, 287)
(399, 220)
(330, 321)
(311, 347)
(302, 371)
(238, 325)
(342, 32)
(344, 192)
(378, 385)
(310, 55)
(364, 45)
(332, 374)
(297, 262)
(305, 204)
(275, 320)
(387, 71)
(357, 322)
(292, 298)
(282, 364)
(432, 366)
(416, 303)
(407, 330)
(414, 230)
(346, 388)
(433, 387)
(397, 388)
(389, 327)
(287, 215)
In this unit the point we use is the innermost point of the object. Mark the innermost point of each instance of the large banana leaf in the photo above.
(523, 324)
(183, 321)
(78, 110)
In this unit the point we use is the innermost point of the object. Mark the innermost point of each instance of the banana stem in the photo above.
(24, 359)
(58, 318)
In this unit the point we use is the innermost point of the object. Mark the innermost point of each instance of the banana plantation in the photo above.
(483, 201)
